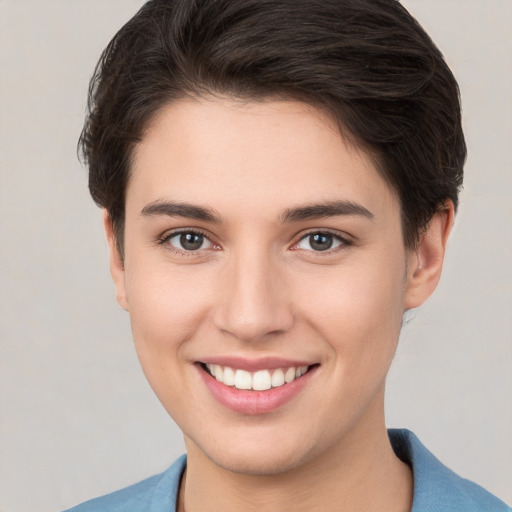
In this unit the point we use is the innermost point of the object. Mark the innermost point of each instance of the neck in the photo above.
(360, 474)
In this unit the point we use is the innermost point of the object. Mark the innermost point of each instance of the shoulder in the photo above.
(437, 488)
(155, 494)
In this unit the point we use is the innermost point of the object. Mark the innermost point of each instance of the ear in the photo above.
(116, 262)
(425, 263)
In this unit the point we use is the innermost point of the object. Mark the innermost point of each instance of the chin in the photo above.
(253, 456)
(261, 463)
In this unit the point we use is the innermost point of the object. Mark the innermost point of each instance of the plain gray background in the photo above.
(77, 418)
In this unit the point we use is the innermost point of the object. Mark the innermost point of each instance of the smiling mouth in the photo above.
(261, 380)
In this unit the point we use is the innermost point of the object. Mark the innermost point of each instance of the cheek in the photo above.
(358, 310)
(167, 304)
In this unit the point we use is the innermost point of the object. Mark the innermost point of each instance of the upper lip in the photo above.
(253, 365)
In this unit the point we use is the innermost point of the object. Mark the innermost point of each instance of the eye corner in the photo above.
(327, 242)
(187, 242)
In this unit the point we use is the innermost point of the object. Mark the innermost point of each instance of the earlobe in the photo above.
(425, 263)
(116, 262)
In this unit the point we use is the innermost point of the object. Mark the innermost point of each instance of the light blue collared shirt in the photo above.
(436, 488)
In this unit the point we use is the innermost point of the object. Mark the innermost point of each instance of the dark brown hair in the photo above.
(366, 62)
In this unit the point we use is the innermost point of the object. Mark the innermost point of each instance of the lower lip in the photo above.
(254, 402)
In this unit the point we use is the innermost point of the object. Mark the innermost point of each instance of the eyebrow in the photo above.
(296, 214)
(324, 210)
(178, 209)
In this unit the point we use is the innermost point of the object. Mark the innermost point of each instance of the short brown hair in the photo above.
(367, 62)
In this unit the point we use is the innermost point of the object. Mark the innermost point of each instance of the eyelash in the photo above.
(164, 241)
(343, 242)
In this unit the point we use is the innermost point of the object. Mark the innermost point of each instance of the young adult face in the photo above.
(259, 240)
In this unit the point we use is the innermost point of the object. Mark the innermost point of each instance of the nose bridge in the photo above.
(254, 302)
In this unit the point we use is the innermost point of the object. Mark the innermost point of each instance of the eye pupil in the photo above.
(191, 241)
(321, 241)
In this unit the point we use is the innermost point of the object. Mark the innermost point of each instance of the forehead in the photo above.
(251, 155)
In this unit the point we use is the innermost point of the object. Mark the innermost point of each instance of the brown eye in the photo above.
(189, 241)
(319, 242)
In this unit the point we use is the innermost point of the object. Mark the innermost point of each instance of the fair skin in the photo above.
(265, 282)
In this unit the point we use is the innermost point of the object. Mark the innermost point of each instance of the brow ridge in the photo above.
(324, 210)
(179, 209)
(295, 214)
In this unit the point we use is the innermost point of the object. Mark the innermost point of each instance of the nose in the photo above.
(254, 304)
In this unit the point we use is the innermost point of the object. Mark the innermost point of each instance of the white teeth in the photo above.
(260, 380)
(277, 378)
(289, 376)
(229, 376)
(300, 371)
(243, 380)
(218, 372)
